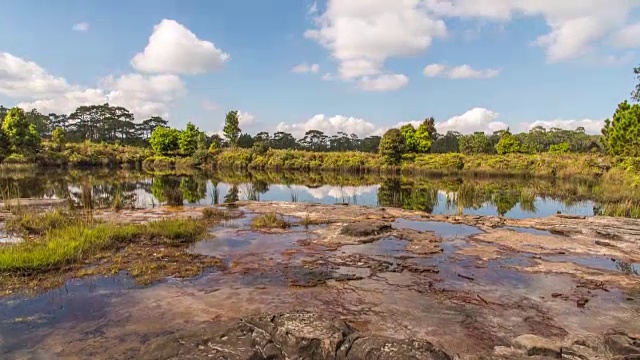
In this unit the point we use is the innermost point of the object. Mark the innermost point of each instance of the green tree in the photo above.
(409, 134)
(165, 141)
(231, 128)
(508, 144)
(430, 125)
(424, 136)
(621, 134)
(5, 147)
(392, 146)
(58, 139)
(635, 95)
(188, 141)
(245, 141)
(562, 148)
(476, 143)
(22, 136)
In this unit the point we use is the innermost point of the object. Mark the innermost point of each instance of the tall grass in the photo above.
(64, 245)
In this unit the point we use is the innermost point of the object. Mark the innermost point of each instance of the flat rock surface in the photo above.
(351, 282)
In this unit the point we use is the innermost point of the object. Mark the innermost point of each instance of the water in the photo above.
(442, 229)
(515, 198)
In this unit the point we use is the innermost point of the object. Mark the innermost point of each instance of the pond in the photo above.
(511, 197)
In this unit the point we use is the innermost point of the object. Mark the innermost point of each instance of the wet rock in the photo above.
(621, 343)
(365, 228)
(535, 345)
(294, 335)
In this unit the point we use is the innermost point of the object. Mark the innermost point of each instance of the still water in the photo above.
(516, 198)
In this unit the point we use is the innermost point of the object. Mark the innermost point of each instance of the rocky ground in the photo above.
(350, 282)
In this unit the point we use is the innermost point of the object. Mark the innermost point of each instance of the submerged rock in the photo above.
(365, 228)
(294, 335)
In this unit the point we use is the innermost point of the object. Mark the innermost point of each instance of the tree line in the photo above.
(21, 132)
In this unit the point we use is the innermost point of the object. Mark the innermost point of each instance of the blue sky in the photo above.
(509, 63)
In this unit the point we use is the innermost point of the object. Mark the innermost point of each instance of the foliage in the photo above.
(188, 139)
(635, 95)
(165, 141)
(22, 136)
(269, 221)
(58, 139)
(562, 148)
(448, 143)
(16, 159)
(621, 134)
(245, 141)
(392, 146)
(231, 128)
(5, 147)
(477, 143)
(508, 144)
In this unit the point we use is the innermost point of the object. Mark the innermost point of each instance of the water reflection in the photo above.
(516, 198)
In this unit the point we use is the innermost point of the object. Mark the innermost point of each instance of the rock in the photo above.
(295, 335)
(365, 228)
(535, 345)
(620, 343)
(582, 302)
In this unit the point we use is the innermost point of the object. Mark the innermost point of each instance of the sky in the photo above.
(358, 66)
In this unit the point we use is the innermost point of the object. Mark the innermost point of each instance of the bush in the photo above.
(392, 146)
(16, 159)
(562, 148)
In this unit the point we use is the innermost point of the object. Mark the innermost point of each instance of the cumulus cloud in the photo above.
(313, 9)
(386, 82)
(21, 78)
(145, 96)
(476, 119)
(245, 118)
(81, 27)
(361, 35)
(433, 70)
(628, 37)
(459, 72)
(591, 126)
(330, 126)
(575, 25)
(306, 68)
(174, 49)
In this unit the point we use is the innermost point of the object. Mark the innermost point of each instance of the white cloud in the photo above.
(476, 119)
(246, 119)
(81, 27)
(305, 68)
(591, 126)
(174, 49)
(434, 70)
(361, 35)
(209, 105)
(467, 72)
(459, 72)
(628, 37)
(21, 78)
(144, 96)
(313, 9)
(386, 82)
(575, 25)
(328, 77)
(330, 126)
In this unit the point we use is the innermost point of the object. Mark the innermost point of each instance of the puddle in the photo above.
(390, 247)
(598, 262)
(442, 229)
(232, 242)
(9, 239)
(528, 230)
(78, 300)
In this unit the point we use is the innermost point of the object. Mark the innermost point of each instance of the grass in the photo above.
(29, 223)
(65, 244)
(269, 221)
(212, 213)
